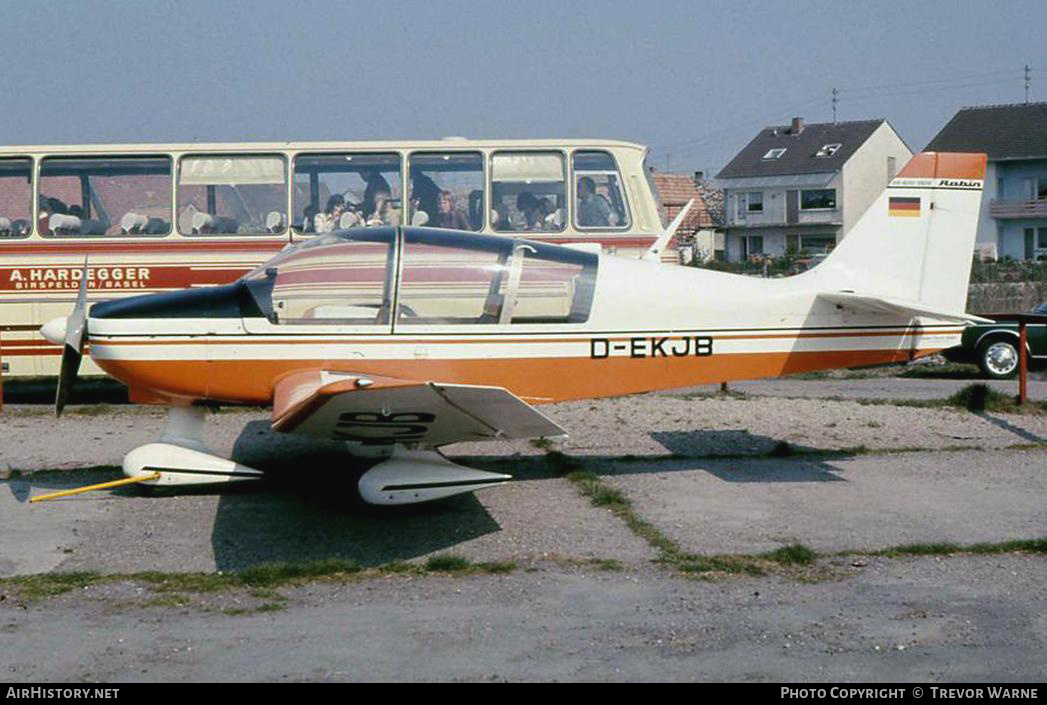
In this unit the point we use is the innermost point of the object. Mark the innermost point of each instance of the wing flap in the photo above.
(881, 304)
(382, 410)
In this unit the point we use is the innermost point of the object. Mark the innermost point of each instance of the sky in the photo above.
(694, 80)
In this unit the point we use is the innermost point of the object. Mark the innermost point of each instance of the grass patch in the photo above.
(275, 574)
(793, 554)
(946, 549)
(736, 565)
(34, 587)
(608, 564)
(173, 600)
(447, 563)
(978, 398)
(542, 443)
(601, 494)
(497, 567)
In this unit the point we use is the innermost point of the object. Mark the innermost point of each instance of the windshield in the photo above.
(344, 276)
(1042, 308)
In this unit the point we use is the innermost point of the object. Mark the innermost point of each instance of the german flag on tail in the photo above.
(904, 206)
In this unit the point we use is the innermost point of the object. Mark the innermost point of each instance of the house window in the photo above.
(828, 150)
(818, 244)
(755, 245)
(1041, 239)
(1041, 190)
(774, 153)
(818, 199)
(756, 202)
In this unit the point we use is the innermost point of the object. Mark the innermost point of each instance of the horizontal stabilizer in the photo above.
(881, 304)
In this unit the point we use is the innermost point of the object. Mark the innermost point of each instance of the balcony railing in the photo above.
(1017, 209)
(777, 217)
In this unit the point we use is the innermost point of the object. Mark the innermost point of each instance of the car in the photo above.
(994, 346)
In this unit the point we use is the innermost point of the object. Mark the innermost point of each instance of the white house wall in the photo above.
(865, 173)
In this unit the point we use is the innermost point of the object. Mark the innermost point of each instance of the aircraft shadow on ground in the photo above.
(308, 509)
(731, 455)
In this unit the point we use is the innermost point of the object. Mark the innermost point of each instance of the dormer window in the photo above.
(828, 150)
(775, 153)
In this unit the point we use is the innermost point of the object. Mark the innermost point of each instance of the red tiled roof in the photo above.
(675, 190)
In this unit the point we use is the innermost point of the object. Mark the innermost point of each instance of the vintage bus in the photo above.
(155, 217)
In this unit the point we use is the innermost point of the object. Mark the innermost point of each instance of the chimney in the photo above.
(797, 126)
(699, 176)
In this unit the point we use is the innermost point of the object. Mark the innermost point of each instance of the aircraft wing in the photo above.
(377, 410)
(880, 304)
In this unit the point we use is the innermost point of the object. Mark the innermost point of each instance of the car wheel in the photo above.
(998, 359)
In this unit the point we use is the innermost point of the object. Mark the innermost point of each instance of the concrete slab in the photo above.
(865, 502)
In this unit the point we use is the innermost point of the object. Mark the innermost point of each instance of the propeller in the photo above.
(73, 351)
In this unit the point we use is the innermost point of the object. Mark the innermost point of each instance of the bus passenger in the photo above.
(427, 193)
(328, 220)
(385, 212)
(531, 210)
(500, 217)
(551, 216)
(593, 209)
(376, 186)
(450, 216)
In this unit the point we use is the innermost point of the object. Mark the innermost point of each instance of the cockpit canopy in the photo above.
(430, 277)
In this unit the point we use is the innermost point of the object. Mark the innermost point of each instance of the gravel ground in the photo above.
(930, 619)
(698, 468)
(642, 425)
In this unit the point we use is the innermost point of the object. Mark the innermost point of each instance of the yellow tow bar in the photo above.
(100, 486)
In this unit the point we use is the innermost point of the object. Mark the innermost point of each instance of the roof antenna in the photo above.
(1027, 84)
(836, 100)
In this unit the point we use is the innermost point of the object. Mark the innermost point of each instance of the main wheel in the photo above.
(998, 359)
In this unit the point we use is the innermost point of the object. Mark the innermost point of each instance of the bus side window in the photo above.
(447, 190)
(599, 197)
(346, 190)
(16, 197)
(104, 195)
(528, 192)
(232, 195)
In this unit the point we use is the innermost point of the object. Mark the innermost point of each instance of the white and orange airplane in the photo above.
(402, 340)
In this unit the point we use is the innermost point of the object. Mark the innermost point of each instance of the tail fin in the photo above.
(916, 242)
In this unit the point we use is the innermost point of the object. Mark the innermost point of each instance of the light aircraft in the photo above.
(399, 340)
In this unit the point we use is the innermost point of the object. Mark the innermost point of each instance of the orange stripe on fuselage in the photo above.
(534, 379)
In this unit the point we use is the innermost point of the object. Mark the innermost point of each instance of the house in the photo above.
(1013, 219)
(700, 235)
(799, 188)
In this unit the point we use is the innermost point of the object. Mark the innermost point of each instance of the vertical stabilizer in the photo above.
(916, 241)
